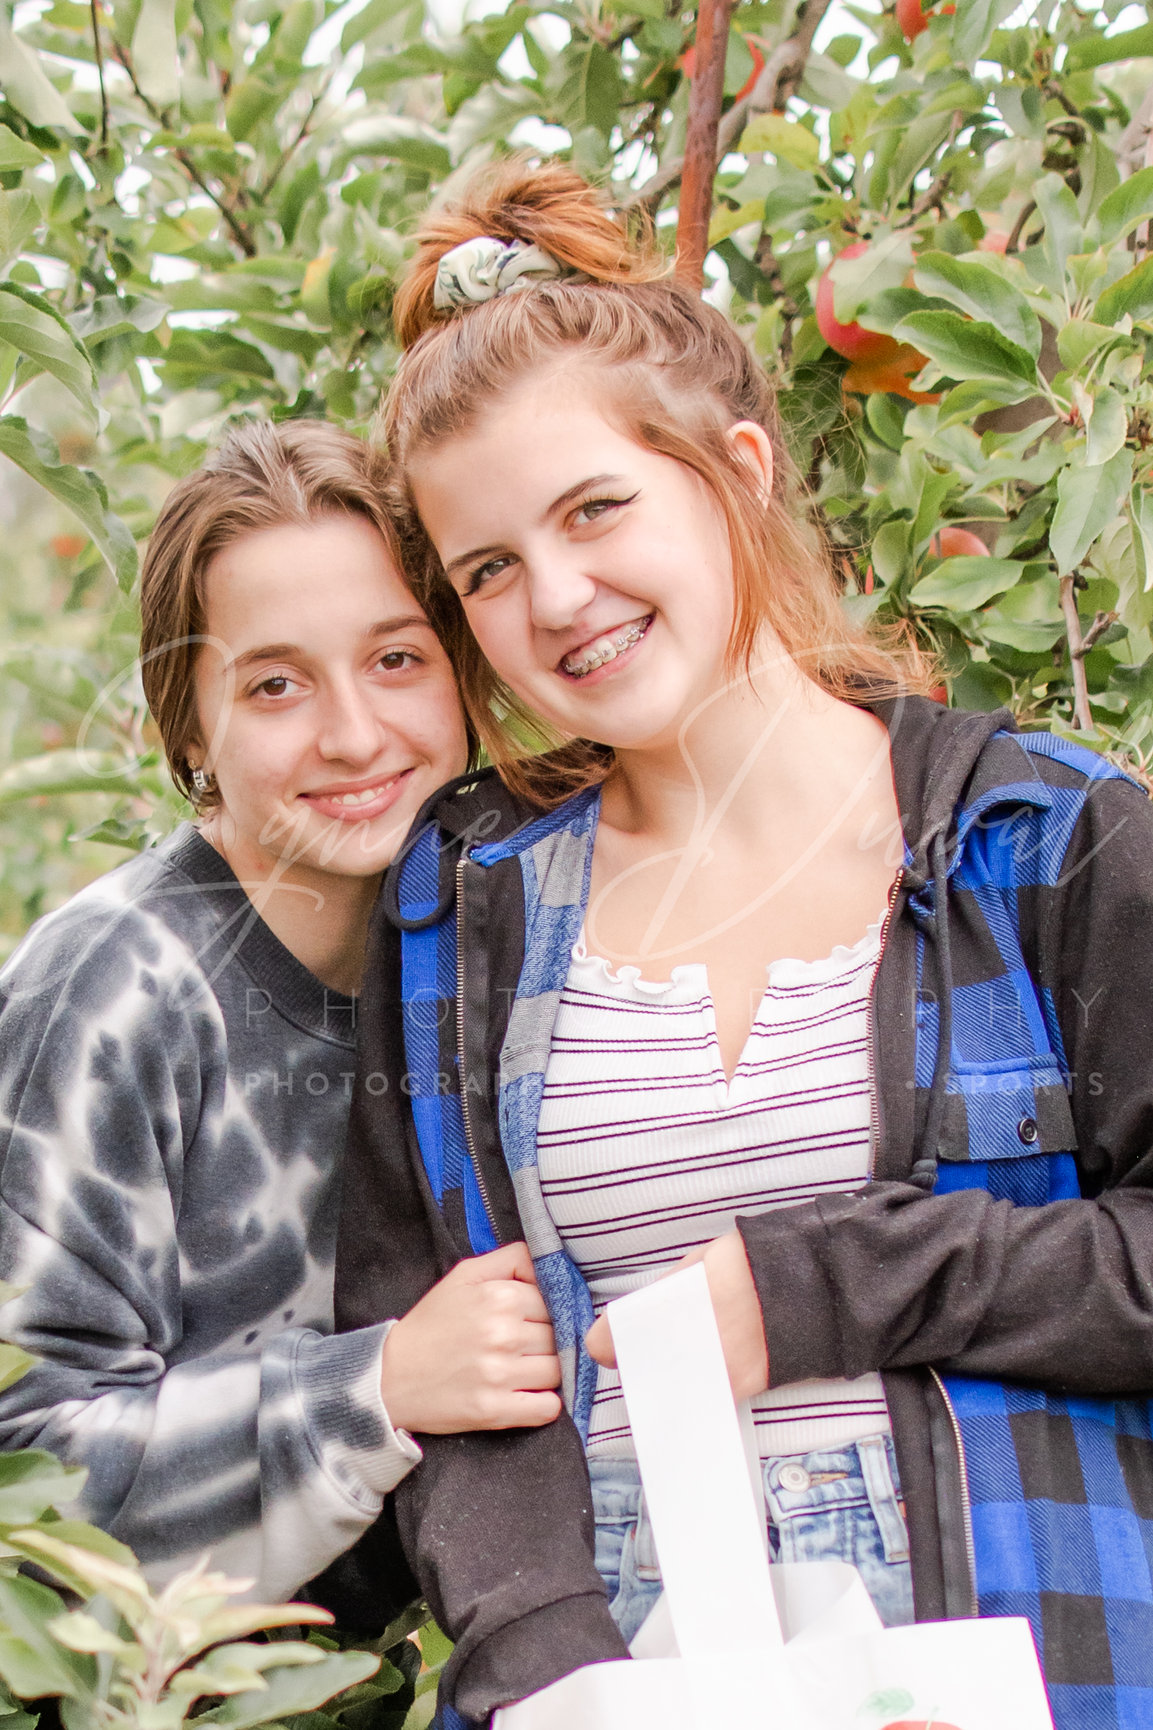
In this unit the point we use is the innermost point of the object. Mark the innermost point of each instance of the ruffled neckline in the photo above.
(785, 973)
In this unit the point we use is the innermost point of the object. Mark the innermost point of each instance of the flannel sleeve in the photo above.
(1057, 1296)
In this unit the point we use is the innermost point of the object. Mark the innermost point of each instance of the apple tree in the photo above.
(935, 227)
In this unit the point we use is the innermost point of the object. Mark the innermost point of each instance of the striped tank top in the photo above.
(646, 1151)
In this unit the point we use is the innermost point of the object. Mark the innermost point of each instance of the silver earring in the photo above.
(202, 783)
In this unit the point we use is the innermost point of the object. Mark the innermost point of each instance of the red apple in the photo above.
(852, 340)
(951, 542)
(913, 20)
(919, 1724)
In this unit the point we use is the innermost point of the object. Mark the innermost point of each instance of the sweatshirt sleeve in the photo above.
(271, 1447)
(1058, 1296)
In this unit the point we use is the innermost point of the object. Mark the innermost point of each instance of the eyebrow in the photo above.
(558, 504)
(290, 651)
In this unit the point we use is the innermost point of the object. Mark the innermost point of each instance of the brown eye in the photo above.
(274, 687)
(396, 660)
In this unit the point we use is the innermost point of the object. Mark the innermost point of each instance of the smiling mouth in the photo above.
(357, 801)
(603, 649)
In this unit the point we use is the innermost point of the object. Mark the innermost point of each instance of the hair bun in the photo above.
(548, 206)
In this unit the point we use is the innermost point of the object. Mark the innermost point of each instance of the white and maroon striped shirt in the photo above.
(645, 1151)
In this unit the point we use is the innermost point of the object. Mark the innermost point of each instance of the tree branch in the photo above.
(1082, 714)
(239, 233)
(99, 51)
(1018, 227)
(779, 77)
(700, 164)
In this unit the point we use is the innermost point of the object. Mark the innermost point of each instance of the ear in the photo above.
(754, 447)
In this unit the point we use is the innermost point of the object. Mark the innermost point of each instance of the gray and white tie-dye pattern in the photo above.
(174, 1090)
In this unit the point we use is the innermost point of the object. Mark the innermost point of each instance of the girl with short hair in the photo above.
(177, 1058)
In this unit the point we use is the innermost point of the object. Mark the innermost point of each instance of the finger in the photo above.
(599, 1343)
(511, 1261)
(536, 1340)
(534, 1374)
(526, 1411)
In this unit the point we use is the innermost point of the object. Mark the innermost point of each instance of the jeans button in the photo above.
(794, 1478)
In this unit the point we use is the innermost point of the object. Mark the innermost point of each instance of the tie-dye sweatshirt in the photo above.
(174, 1090)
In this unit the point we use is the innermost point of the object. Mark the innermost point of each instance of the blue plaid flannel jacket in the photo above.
(1059, 1489)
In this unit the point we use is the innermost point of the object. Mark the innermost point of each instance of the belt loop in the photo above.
(882, 1494)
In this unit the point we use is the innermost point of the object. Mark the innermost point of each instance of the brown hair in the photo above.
(263, 476)
(676, 376)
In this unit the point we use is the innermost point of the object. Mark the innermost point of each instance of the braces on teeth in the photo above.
(617, 646)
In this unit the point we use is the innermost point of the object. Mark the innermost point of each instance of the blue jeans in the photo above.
(837, 1504)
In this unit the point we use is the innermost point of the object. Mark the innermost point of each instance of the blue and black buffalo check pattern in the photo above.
(1060, 1489)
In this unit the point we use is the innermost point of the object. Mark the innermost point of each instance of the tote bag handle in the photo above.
(693, 1466)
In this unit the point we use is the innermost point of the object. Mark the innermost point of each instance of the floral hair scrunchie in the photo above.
(480, 269)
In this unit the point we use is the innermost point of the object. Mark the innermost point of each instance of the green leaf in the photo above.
(202, 359)
(964, 584)
(1098, 50)
(1107, 426)
(1063, 233)
(1087, 501)
(1131, 203)
(32, 1662)
(1141, 515)
(1131, 294)
(973, 24)
(983, 294)
(371, 17)
(16, 152)
(292, 1689)
(726, 220)
(1079, 339)
(32, 1481)
(32, 324)
(396, 136)
(785, 139)
(79, 489)
(891, 553)
(13, 1364)
(154, 52)
(19, 219)
(883, 266)
(25, 85)
(969, 349)
(67, 771)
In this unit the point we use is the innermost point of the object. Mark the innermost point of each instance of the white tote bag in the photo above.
(733, 1641)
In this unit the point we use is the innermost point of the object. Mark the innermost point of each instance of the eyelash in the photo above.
(409, 656)
(476, 578)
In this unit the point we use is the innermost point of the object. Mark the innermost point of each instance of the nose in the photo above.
(559, 591)
(350, 728)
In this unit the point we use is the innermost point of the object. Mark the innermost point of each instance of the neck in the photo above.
(766, 747)
(321, 918)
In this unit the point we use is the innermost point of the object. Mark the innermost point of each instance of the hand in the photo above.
(476, 1353)
(735, 1305)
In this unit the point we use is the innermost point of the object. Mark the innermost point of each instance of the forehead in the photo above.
(340, 562)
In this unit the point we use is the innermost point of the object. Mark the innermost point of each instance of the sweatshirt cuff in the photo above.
(798, 1302)
(354, 1439)
(536, 1650)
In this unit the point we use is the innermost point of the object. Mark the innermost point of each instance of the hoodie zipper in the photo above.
(466, 1114)
(871, 1030)
(966, 1505)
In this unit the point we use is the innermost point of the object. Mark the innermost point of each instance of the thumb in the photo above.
(599, 1341)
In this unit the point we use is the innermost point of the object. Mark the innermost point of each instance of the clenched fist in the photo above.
(476, 1353)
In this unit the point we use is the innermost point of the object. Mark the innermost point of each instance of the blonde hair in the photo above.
(263, 476)
(676, 376)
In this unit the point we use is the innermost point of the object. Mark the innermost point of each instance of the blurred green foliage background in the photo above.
(204, 205)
